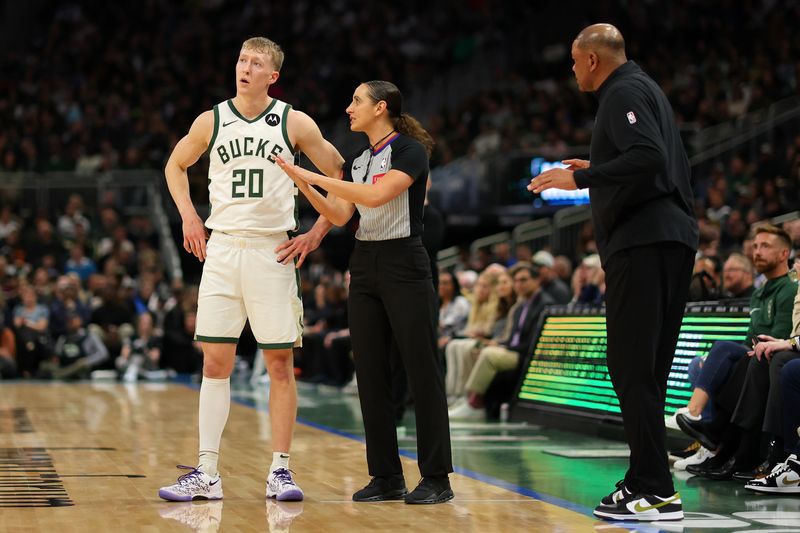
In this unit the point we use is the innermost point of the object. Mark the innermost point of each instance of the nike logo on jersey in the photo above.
(229, 123)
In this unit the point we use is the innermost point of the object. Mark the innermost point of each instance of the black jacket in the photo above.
(639, 180)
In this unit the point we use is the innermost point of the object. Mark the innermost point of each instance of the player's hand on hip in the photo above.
(575, 164)
(195, 237)
(555, 178)
(299, 247)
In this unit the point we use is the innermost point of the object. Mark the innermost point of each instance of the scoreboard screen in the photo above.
(568, 369)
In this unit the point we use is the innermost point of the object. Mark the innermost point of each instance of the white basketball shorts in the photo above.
(243, 279)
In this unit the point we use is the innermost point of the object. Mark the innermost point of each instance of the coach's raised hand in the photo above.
(575, 164)
(555, 178)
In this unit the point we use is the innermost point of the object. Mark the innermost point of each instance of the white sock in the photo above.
(215, 403)
(279, 460)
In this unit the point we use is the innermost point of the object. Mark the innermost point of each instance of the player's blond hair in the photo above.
(262, 45)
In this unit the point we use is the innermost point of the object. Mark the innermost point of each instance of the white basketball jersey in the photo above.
(249, 193)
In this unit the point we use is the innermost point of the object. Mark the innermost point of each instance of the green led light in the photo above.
(568, 365)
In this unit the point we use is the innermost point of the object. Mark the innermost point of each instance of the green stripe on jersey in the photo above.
(259, 117)
(284, 128)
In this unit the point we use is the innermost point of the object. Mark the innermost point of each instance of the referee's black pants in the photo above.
(646, 291)
(391, 296)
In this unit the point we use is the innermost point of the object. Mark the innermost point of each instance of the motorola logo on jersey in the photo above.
(272, 119)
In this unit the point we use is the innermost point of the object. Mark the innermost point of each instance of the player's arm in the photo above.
(305, 135)
(186, 153)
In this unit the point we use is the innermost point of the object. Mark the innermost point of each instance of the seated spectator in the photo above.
(8, 347)
(31, 320)
(181, 352)
(66, 300)
(465, 280)
(8, 222)
(112, 320)
(588, 281)
(563, 268)
(551, 283)
(453, 307)
(73, 218)
(77, 352)
(498, 357)
(141, 353)
(784, 477)
(502, 254)
(705, 280)
(42, 285)
(747, 404)
(461, 354)
(150, 297)
(771, 314)
(44, 242)
(326, 319)
(79, 263)
(737, 277)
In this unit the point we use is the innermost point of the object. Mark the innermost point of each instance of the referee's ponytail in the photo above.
(403, 122)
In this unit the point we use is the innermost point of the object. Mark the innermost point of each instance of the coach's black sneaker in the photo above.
(431, 490)
(382, 488)
(619, 493)
(643, 507)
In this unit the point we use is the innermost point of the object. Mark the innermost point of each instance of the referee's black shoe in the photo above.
(431, 490)
(382, 488)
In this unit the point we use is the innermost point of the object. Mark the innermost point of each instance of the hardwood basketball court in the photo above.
(91, 457)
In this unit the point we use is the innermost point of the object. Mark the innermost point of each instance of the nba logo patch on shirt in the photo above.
(631, 117)
(383, 164)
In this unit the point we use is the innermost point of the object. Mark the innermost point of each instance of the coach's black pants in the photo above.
(646, 291)
(391, 295)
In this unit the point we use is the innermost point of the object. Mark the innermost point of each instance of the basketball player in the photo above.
(252, 211)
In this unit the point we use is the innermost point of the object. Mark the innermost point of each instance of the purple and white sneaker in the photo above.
(282, 487)
(194, 485)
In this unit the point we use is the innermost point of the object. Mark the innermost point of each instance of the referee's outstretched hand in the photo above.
(300, 176)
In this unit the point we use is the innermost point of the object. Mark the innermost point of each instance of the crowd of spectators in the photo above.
(82, 291)
(102, 86)
(110, 85)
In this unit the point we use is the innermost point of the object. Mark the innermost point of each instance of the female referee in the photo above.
(391, 290)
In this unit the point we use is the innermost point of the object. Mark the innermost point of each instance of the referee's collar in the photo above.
(387, 142)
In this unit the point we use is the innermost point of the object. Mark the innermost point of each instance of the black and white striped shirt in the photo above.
(401, 216)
